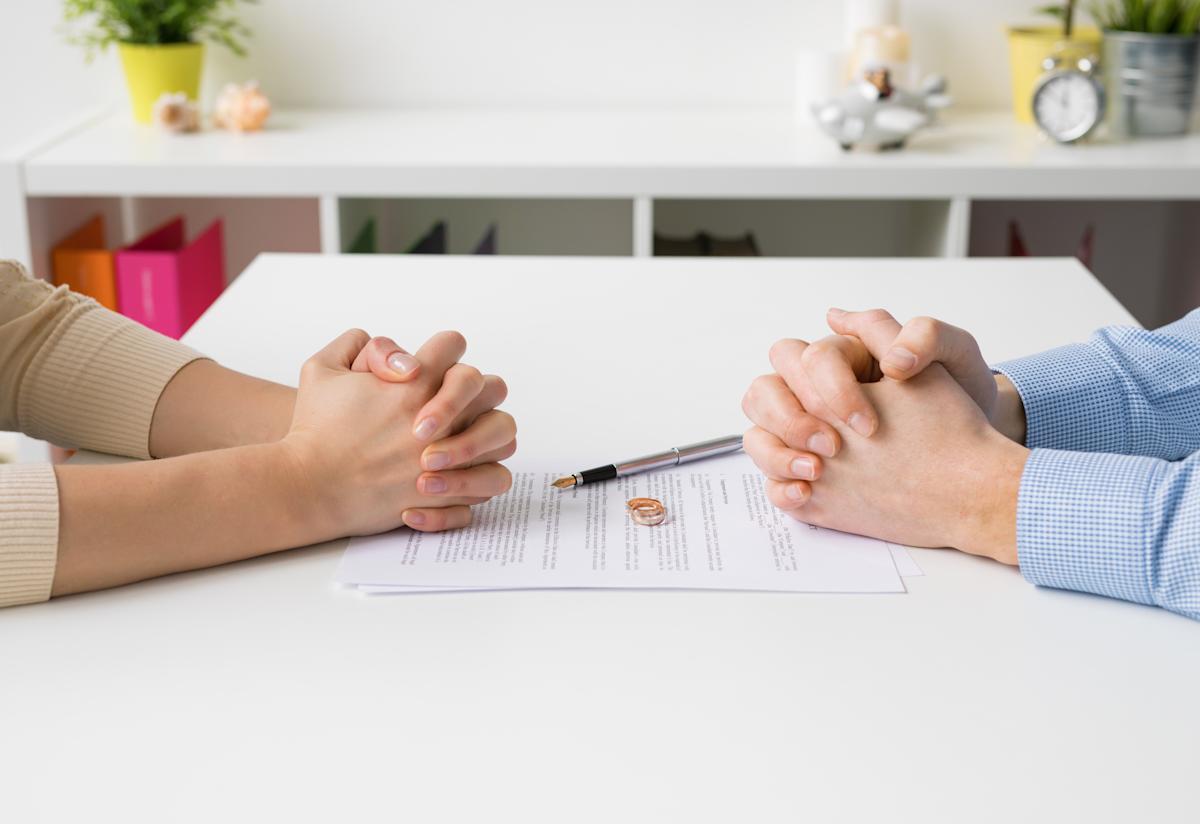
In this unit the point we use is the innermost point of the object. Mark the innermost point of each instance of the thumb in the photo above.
(924, 340)
(387, 360)
(876, 328)
(339, 354)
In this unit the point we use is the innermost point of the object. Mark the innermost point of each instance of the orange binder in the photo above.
(81, 262)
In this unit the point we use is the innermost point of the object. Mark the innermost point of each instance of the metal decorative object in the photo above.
(1068, 101)
(1151, 82)
(872, 113)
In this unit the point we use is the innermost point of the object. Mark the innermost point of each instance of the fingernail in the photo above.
(900, 359)
(414, 518)
(435, 485)
(401, 363)
(795, 492)
(822, 444)
(424, 429)
(437, 460)
(802, 468)
(837, 313)
(860, 424)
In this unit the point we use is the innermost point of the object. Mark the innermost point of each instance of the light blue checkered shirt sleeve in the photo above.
(1106, 504)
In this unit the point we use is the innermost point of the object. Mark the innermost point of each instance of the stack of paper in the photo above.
(721, 533)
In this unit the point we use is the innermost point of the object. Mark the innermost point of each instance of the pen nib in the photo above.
(564, 483)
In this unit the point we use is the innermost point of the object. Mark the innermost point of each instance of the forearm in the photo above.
(1121, 526)
(1009, 414)
(207, 406)
(123, 523)
(988, 489)
(1126, 391)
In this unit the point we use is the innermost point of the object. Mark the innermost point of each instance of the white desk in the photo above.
(260, 692)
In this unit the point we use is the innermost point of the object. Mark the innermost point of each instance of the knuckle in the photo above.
(816, 352)
(923, 329)
(510, 425)
(501, 387)
(309, 369)
(507, 451)
(753, 394)
(469, 375)
(796, 429)
(784, 350)
(841, 398)
(752, 440)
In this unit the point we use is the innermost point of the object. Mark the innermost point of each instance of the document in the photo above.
(721, 532)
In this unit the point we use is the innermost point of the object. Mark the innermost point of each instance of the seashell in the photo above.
(241, 108)
(174, 113)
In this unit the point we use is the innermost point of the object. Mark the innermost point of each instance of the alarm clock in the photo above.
(1068, 102)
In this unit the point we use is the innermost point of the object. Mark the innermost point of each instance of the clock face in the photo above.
(1067, 105)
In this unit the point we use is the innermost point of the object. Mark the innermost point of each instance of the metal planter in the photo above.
(1151, 80)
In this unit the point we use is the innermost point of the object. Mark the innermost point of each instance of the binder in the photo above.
(487, 243)
(165, 283)
(365, 242)
(432, 242)
(82, 262)
(703, 244)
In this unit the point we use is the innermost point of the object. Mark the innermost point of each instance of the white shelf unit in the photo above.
(601, 183)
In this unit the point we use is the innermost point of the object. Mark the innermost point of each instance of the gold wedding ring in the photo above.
(646, 511)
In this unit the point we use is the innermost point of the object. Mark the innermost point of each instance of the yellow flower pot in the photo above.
(1028, 47)
(152, 70)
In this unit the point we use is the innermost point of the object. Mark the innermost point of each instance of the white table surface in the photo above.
(260, 691)
(702, 153)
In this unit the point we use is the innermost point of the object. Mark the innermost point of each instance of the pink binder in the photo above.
(166, 284)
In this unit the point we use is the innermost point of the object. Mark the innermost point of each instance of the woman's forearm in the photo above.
(126, 522)
(206, 406)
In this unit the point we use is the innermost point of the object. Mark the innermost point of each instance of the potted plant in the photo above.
(160, 41)
(1150, 55)
(1029, 46)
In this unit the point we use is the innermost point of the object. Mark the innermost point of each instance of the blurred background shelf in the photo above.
(603, 183)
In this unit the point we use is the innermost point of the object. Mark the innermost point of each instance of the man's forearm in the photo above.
(206, 406)
(123, 523)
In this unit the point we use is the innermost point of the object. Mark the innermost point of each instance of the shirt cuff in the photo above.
(1068, 396)
(98, 383)
(28, 533)
(1082, 522)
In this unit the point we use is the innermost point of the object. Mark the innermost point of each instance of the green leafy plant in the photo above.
(1064, 12)
(97, 24)
(1149, 16)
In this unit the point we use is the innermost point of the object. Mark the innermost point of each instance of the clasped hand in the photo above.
(900, 433)
(381, 438)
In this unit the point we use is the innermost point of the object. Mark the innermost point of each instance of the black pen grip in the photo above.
(600, 473)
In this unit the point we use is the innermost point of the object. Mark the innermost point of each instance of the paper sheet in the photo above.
(720, 533)
(905, 563)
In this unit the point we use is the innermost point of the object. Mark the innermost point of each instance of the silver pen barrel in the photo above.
(708, 449)
(646, 463)
(680, 455)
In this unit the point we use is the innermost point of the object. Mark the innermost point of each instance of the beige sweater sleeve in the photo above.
(77, 375)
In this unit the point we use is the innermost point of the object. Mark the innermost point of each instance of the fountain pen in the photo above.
(659, 460)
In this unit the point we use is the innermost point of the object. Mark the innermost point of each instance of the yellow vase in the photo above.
(1029, 47)
(152, 70)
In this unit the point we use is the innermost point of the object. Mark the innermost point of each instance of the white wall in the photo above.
(554, 53)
